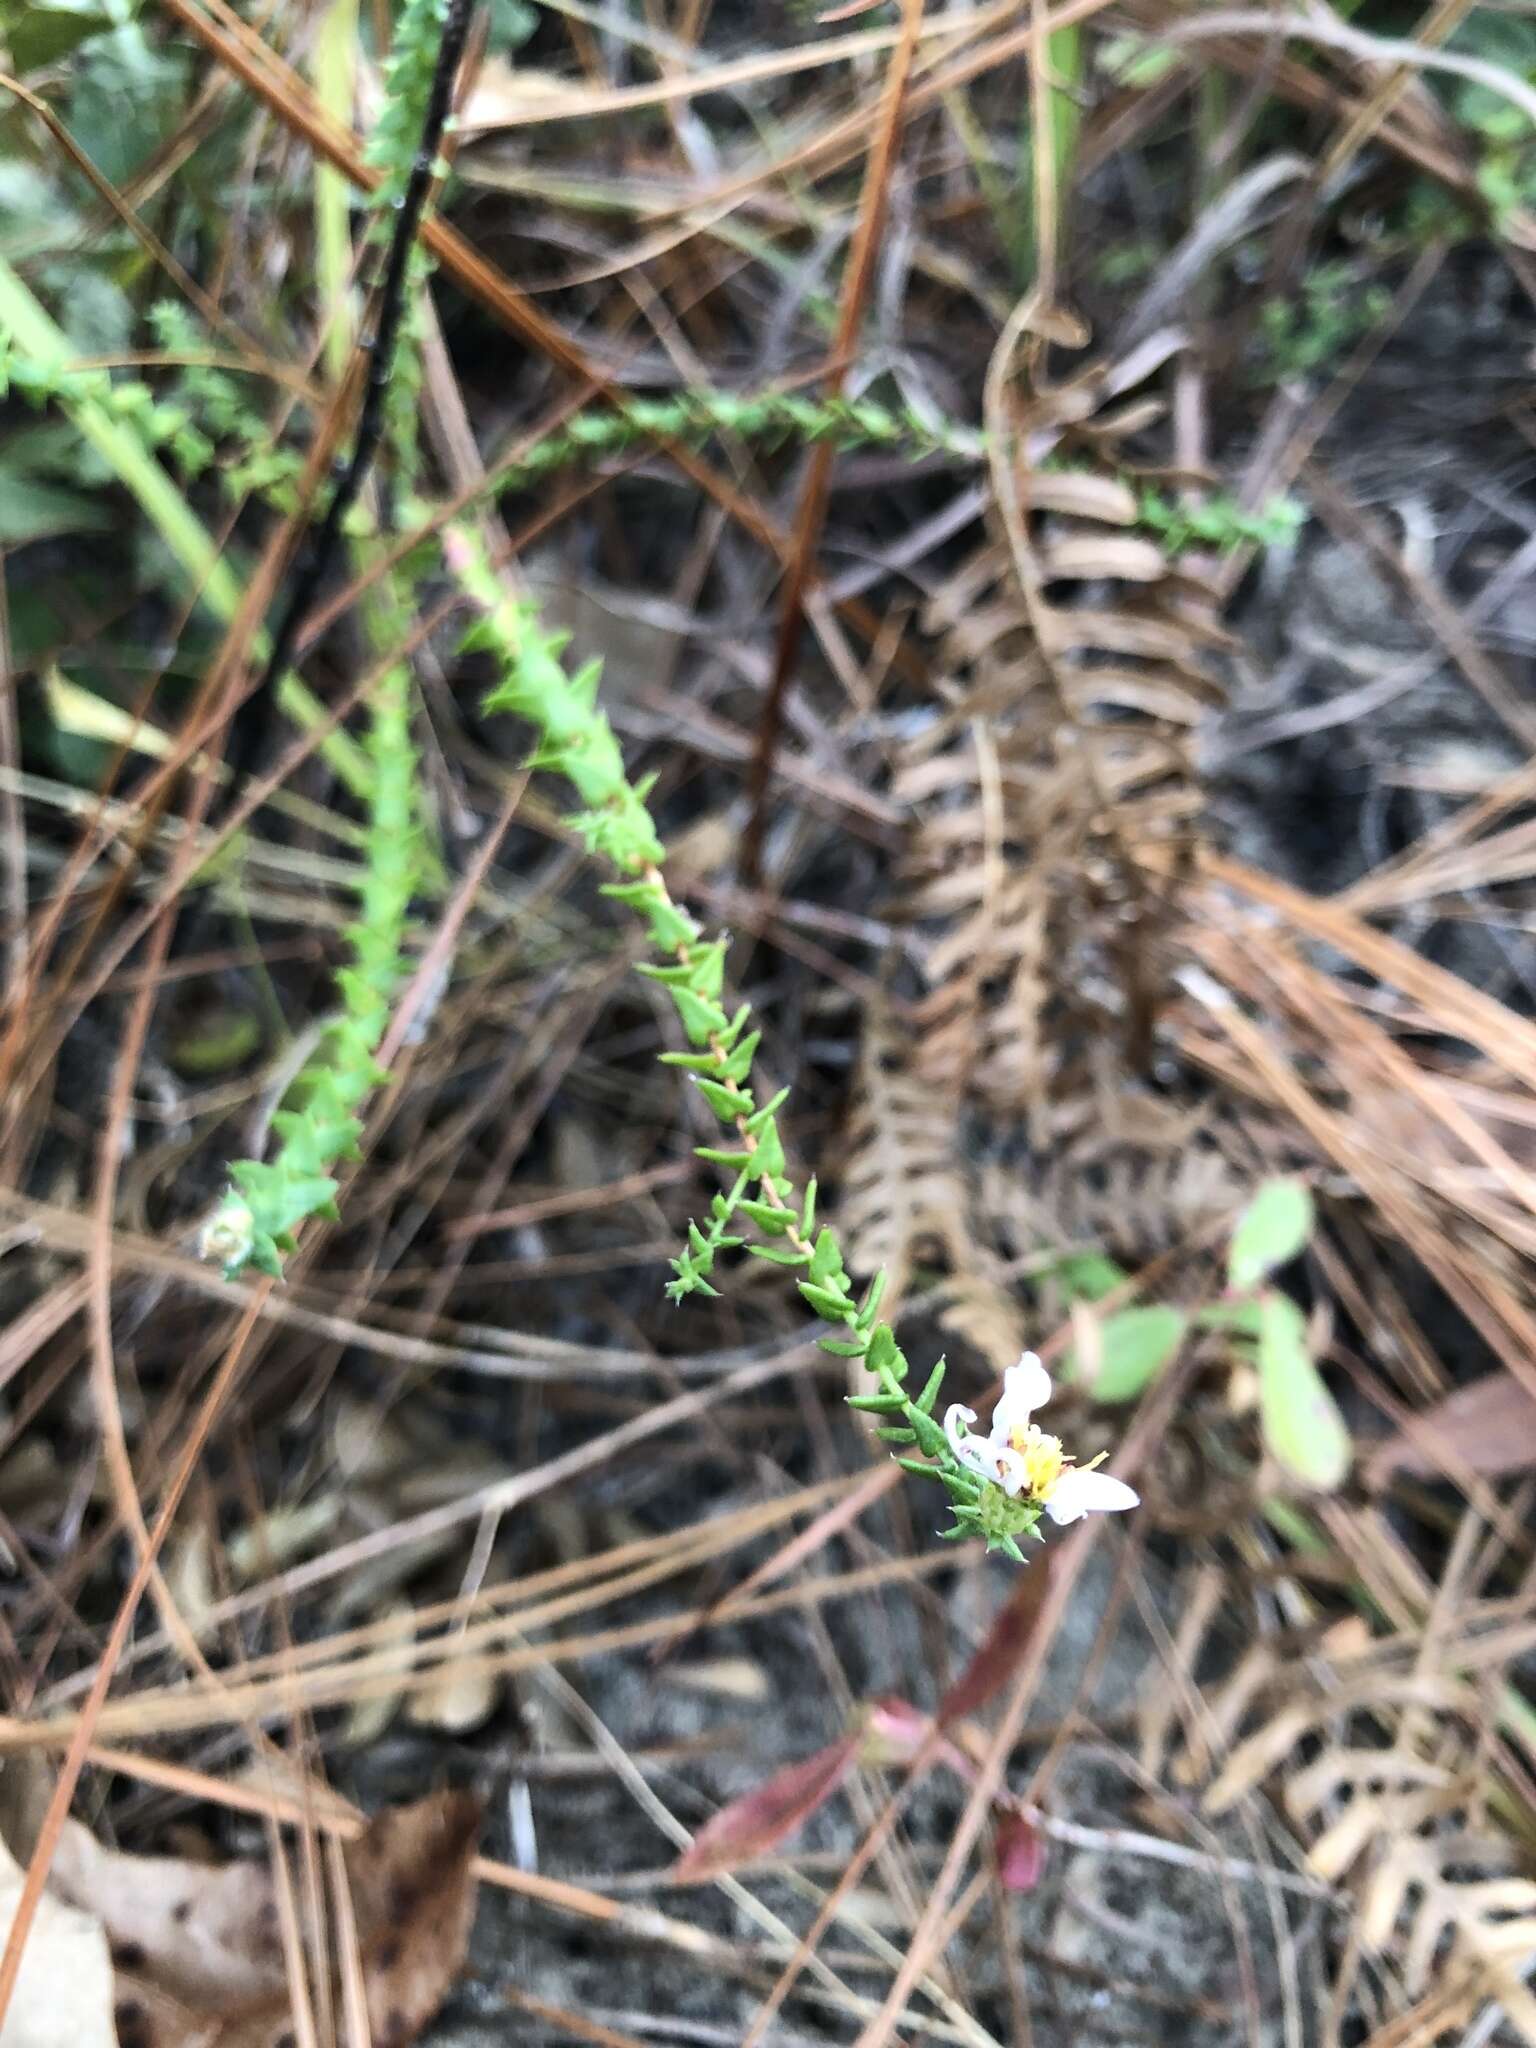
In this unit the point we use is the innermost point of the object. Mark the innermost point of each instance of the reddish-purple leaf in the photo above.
(1006, 1641)
(1020, 1852)
(760, 1819)
(1489, 1425)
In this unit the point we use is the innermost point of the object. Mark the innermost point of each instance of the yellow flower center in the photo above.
(1044, 1459)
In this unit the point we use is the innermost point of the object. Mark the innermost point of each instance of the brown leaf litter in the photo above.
(168, 1952)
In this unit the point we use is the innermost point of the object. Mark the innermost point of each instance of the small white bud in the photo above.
(227, 1235)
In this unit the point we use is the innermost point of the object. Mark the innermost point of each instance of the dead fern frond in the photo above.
(903, 1192)
(982, 1310)
(1055, 798)
(905, 1197)
(1376, 1754)
(1425, 1906)
(1102, 1186)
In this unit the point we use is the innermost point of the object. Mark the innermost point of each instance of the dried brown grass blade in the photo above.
(857, 279)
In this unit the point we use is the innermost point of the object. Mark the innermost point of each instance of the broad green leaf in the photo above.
(1271, 1230)
(64, 1986)
(1088, 1276)
(1300, 1419)
(33, 510)
(126, 99)
(1134, 1346)
(512, 22)
(38, 32)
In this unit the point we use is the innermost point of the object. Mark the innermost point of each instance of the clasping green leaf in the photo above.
(1270, 1232)
(1302, 1426)
(1134, 1345)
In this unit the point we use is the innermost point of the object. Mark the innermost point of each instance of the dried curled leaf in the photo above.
(1488, 1427)
(64, 1993)
(205, 1936)
(1373, 1742)
(413, 1897)
(905, 1195)
(903, 1191)
(1107, 1167)
(200, 1951)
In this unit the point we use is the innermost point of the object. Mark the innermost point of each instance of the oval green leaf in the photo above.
(1271, 1230)
(1087, 1276)
(1302, 1426)
(1134, 1346)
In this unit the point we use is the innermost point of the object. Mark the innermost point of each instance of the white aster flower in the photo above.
(1018, 1456)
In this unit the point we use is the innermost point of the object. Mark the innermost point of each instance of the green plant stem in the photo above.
(1063, 124)
(418, 92)
(255, 1224)
(257, 1221)
(336, 49)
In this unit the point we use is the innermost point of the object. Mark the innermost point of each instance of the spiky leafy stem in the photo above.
(255, 1224)
(577, 741)
(425, 45)
(213, 414)
(766, 419)
(1217, 521)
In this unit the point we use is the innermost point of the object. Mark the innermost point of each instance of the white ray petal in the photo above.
(977, 1454)
(1076, 1494)
(956, 1422)
(1026, 1387)
(1007, 1468)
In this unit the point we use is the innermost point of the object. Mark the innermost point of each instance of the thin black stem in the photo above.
(380, 345)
